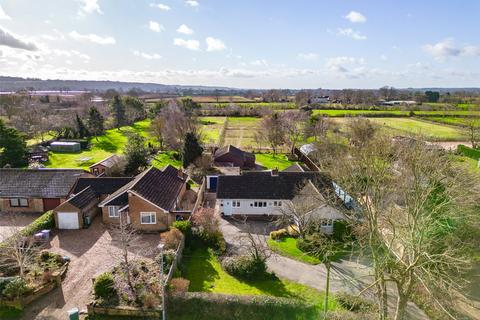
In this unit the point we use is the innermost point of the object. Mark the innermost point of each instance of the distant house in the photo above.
(230, 156)
(319, 99)
(152, 201)
(108, 166)
(82, 205)
(268, 193)
(36, 190)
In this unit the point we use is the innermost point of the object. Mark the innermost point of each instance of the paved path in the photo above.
(13, 222)
(346, 276)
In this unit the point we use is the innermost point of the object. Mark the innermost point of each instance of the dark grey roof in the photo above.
(37, 183)
(160, 187)
(84, 198)
(101, 185)
(296, 167)
(266, 185)
(233, 151)
(108, 162)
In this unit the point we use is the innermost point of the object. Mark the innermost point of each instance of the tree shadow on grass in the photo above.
(106, 144)
(270, 284)
(197, 267)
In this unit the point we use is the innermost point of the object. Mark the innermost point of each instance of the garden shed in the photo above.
(65, 146)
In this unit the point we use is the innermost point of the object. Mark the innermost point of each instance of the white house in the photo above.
(270, 193)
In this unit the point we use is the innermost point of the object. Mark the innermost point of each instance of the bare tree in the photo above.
(18, 251)
(271, 131)
(361, 131)
(473, 128)
(319, 128)
(295, 124)
(157, 128)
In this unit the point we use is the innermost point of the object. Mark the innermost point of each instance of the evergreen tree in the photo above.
(136, 153)
(191, 149)
(95, 122)
(13, 148)
(81, 128)
(118, 110)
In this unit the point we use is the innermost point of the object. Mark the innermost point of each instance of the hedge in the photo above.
(45, 221)
(211, 306)
(468, 152)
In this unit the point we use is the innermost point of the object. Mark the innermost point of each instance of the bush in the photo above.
(184, 226)
(103, 287)
(279, 234)
(341, 230)
(4, 281)
(468, 152)
(354, 303)
(168, 257)
(45, 221)
(215, 241)
(244, 267)
(150, 300)
(171, 238)
(15, 288)
(179, 286)
(304, 245)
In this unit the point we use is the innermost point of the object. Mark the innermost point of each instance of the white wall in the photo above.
(247, 207)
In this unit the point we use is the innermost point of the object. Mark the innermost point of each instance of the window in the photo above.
(148, 218)
(113, 212)
(327, 223)
(236, 204)
(260, 204)
(18, 202)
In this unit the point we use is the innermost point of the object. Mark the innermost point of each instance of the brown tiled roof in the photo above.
(108, 162)
(160, 187)
(84, 198)
(37, 183)
(240, 154)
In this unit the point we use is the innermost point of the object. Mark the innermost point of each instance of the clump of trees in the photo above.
(136, 154)
(13, 147)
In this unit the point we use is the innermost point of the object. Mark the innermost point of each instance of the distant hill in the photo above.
(16, 84)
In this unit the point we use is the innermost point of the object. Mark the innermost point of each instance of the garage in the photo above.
(68, 220)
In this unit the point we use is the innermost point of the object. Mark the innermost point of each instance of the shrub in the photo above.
(103, 287)
(168, 257)
(45, 221)
(171, 238)
(293, 231)
(15, 288)
(244, 267)
(279, 234)
(4, 281)
(304, 245)
(150, 300)
(341, 230)
(184, 226)
(354, 303)
(215, 241)
(179, 286)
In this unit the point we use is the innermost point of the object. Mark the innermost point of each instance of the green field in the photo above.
(205, 273)
(241, 131)
(211, 128)
(270, 105)
(393, 113)
(113, 141)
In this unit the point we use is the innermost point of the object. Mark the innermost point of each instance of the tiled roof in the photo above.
(100, 185)
(109, 162)
(37, 183)
(266, 185)
(233, 151)
(84, 198)
(160, 187)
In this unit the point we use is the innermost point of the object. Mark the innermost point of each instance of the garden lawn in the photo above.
(211, 128)
(271, 161)
(288, 247)
(165, 158)
(112, 142)
(7, 313)
(205, 273)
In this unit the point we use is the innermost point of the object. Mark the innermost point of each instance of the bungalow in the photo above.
(108, 166)
(152, 201)
(271, 193)
(36, 190)
(230, 156)
(82, 205)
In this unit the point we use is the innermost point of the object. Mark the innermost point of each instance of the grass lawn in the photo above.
(205, 273)
(211, 128)
(113, 141)
(271, 161)
(240, 131)
(164, 158)
(7, 313)
(288, 247)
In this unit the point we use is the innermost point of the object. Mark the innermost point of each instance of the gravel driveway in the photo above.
(91, 252)
(347, 275)
(18, 220)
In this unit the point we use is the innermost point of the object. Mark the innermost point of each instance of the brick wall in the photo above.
(137, 205)
(34, 205)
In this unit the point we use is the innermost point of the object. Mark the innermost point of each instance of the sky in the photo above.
(245, 44)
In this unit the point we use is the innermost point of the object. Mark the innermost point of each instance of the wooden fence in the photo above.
(305, 159)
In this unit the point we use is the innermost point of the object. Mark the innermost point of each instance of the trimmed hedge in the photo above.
(468, 152)
(244, 267)
(211, 306)
(45, 221)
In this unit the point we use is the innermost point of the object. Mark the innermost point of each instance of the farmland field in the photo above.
(393, 113)
(241, 131)
(211, 128)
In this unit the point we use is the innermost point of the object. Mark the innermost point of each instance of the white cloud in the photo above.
(192, 3)
(214, 44)
(446, 48)
(71, 54)
(349, 32)
(90, 6)
(307, 56)
(3, 15)
(155, 26)
(259, 63)
(154, 56)
(383, 57)
(11, 40)
(54, 35)
(91, 37)
(356, 17)
(160, 6)
(339, 64)
(189, 44)
(184, 29)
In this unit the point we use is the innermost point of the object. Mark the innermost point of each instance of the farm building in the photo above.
(35, 190)
(65, 146)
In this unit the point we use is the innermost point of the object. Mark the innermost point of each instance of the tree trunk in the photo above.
(401, 307)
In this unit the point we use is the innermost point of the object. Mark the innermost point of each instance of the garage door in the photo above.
(50, 203)
(68, 220)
